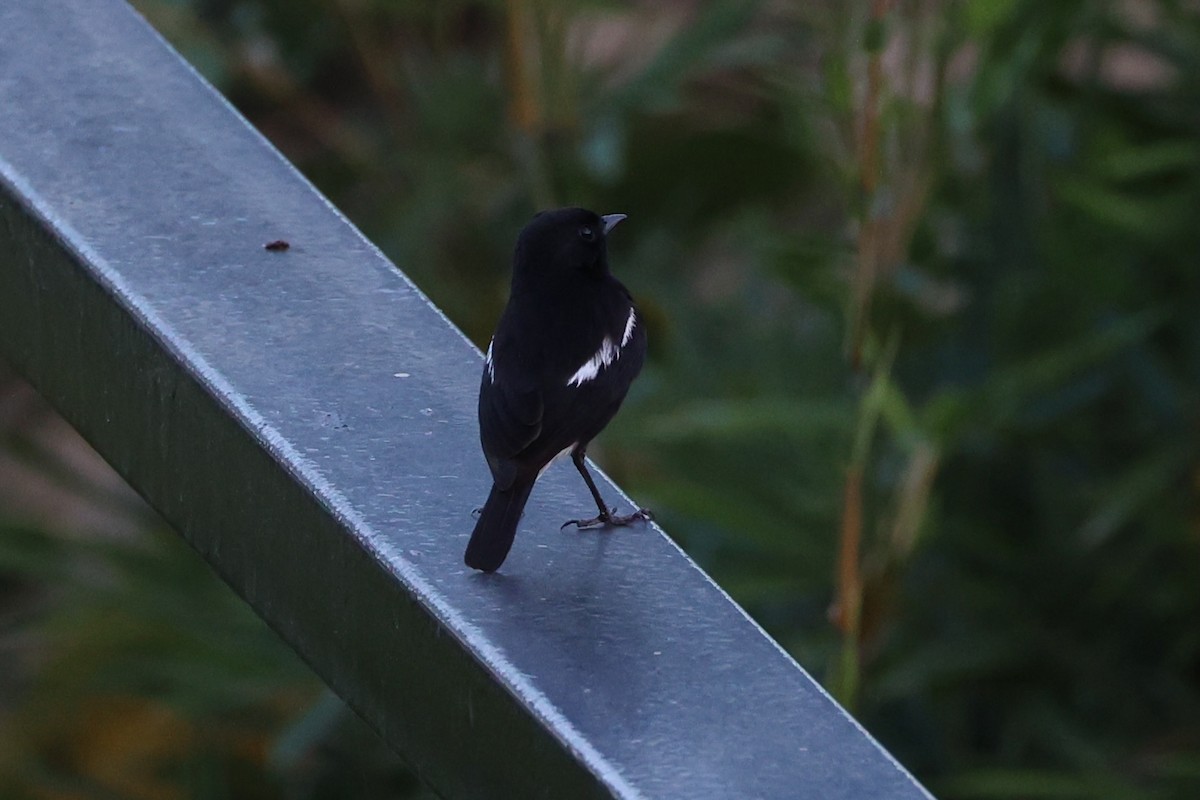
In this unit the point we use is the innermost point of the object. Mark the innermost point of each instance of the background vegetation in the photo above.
(923, 394)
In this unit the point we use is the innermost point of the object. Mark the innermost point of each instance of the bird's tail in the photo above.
(497, 526)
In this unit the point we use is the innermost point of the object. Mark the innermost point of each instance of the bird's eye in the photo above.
(587, 234)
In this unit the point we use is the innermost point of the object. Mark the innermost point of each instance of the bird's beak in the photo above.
(610, 221)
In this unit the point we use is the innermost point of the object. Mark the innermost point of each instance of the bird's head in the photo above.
(562, 243)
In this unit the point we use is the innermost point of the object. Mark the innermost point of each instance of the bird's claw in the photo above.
(609, 519)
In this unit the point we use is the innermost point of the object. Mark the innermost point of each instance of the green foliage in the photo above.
(150, 674)
(922, 285)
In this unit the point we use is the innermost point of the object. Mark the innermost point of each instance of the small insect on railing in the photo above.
(306, 420)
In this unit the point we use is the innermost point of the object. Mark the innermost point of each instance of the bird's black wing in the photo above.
(575, 412)
(510, 420)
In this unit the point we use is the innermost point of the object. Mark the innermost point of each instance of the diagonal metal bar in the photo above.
(306, 420)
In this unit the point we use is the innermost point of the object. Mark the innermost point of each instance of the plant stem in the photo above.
(526, 93)
(867, 246)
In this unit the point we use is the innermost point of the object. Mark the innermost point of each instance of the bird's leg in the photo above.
(577, 456)
(606, 516)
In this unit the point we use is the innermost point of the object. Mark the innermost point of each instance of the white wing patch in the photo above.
(491, 368)
(607, 354)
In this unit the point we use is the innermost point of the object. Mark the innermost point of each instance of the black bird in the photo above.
(569, 344)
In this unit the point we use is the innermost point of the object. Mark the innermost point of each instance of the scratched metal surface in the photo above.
(306, 419)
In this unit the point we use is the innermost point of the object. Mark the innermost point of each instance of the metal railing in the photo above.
(306, 420)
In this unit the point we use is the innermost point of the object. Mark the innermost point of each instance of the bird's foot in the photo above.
(610, 519)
